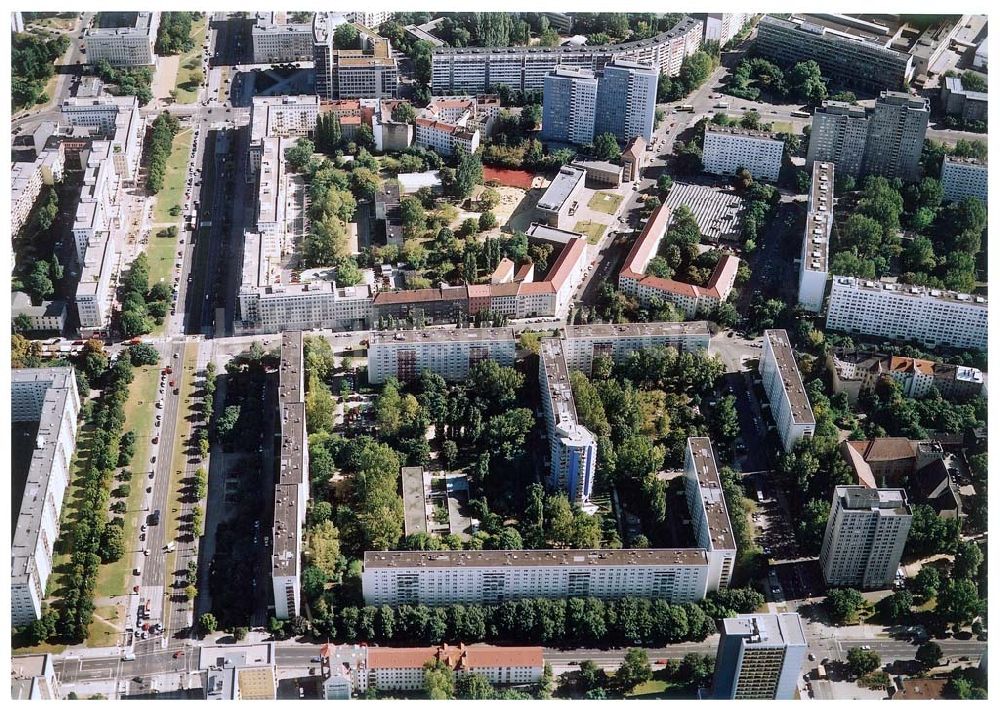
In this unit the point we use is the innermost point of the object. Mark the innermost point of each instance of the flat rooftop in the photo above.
(766, 629)
(631, 330)
(560, 392)
(741, 131)
(913, 292)
(713, 500)
(442, 335)
(561, 187)
(548, 233)
(719, 212)
(819, 219)
(290, 375)
(285, 547)
(791, 379)
(535, 558)
(414, 501)
(887, 502)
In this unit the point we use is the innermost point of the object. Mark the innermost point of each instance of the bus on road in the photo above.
(800, 113)
(685, 108)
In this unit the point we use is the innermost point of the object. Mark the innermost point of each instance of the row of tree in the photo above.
(32, 63)
(142, 304)
(174, 34)
(126, 81)
(165, 127)
(755, 77)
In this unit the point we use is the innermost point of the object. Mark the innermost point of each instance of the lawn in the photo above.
(102, 635)
(67, 518)
(656, 689)
(782, 127)
(223, 87)
(605, 202)
(189, 64)
(591, 229)
(172, 193)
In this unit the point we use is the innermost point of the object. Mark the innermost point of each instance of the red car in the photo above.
(171, 383)
(178, 654)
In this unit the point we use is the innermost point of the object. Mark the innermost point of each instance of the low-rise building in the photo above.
(692, 299)
(444, 138)
(789, 402)
(854, 371)
(404, 354)
(865, 536)
(559, 202)
(813, 271)
(728, 149)
(962, 177)
(634, 159)
(957, 101)
(403, 668)
(239, 672)
(602, 173)
(899, 311)
(48, 316)
(49, 397)
(128, 46)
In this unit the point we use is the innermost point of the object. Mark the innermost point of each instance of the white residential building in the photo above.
(49, 397)
(816, 240)
(898, 311)
(279, 117)
(724, 26)
(865, 536)
(962, 177)
(437, 578)
(572, 447)
(730, 148)
(116, 119)
(370, 71)
(370, 19)
(291, 493)
(707, 507)
(570, 105)
(33, 677)
(760, 657)
(124, 46)
(444, 138)
(790, 406)
(583, 343)
(49, 316)
(449, 353)
(277, 40)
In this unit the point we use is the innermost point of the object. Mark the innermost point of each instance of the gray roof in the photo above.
(561, 187)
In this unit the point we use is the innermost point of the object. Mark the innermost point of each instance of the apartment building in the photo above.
(692, 299)
(558, 201)
(899, 311)
(838, 136)
(626, 100)
(854, 371)
(730, 148)
(444, 138)
(478, 69)
(583, 343)
(274, 39)
(865, 536)
(957, 101)
(27, 179)
(707, 507)
(392, 669)
(33, 677)
(370, 71)
(721, 27)
(896, 134)
(279, 117)
(116, 119)
(569, 105)
(437, 578)
(449, 353)
(131, 46)
(790, 405)
(389, 135)
(423, 306)
(373, 20)
(851, 52)
(962, 177)
(759, 657)
(291, 491)
(572, 447)
(48, 316)
(579, 104)
(813, 269)
(49, 397)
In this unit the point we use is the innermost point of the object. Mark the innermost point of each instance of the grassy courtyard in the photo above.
(591, 229)
(172, 193)
(605, 202)
(189, 72)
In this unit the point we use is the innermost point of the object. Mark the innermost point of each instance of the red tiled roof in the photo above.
(907, 364)
(457, 657)
(565, 262)
(434, 124)
(350, 120)
(522, 272)
(536, 288)
(644, 247)
(421, 295)
(885, 449)
(504, 267)
(480, 290)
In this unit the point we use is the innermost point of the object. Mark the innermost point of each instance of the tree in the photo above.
(439, 681)
(843, 604)
(958, 602)
(591, 675)
(449, 453)
(927, 581)
(404, 112)
(112, 543)
(606, 147)
(968, 558)
(207, 623)
(240, 633)
(743, 179)
(488, 199)
(345, 37)
(474, 686)
(531, 117)
(633, 671)
(861, 662)
(895, 608)
(487, 221)
(299, 155)
(467, 175)
(929, 654)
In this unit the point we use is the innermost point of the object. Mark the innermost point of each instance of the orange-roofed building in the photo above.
(403, 668)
